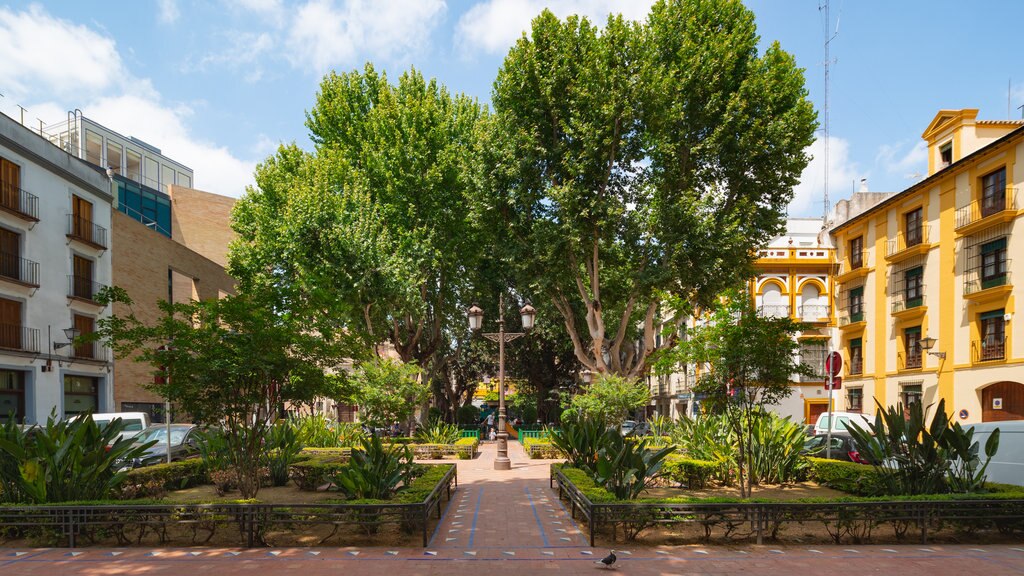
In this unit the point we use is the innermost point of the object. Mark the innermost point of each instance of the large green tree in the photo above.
(368, 233)
(633, 169)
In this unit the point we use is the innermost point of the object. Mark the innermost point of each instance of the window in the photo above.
(145, 205)
(114, 155)
(993, 192)
(857, 252)
(12, 396)
(93, 148)
(913, 291)
(81, 218)
(813, 355)
(946, 154)
(993, 336)
(133, 169)
(856, 356)
(184, 180)
(81, 280)
(993, 263)
(10, 251)
(854, 399)
(857, 304)
(10, 185)
(10, 324)
(166, 177)
(912, 347)
(913, 223)
(81, 395)
(910, 394)
(152, 176)
(85, 325)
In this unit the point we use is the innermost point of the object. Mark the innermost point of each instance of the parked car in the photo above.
(134, 422)
(843, 448)
(184, 444)
(840, 421)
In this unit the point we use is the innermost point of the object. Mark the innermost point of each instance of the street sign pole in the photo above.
(828, 435)
(833, 363)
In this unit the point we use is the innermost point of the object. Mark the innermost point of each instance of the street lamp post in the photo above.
(476, 317)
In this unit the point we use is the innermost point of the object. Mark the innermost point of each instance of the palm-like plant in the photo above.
(438, 433)
(376, 471)
(626, 469)
(580, 440)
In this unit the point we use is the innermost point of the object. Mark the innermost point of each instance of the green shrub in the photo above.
(153, 481)
(585, 483)
(628, 468)
(314, 472)
(467, 415)
(859, 479)
(214, 449)
(284, 444)
(708, 437)
(581, 440)
(375, 471)
(695, 474)
(464, 453)
(777, 443)
(438, 433)
(65, 460)
(541, 448)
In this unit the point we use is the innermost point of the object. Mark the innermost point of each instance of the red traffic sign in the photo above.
(837, 383)
(833, 363)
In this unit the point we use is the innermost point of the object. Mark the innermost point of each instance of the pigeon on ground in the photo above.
(608, 561)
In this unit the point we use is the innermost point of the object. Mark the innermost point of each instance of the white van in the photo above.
(134, 422)
(840, 421)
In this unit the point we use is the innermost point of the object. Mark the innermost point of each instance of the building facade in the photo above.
(55, 214)
(926, 284)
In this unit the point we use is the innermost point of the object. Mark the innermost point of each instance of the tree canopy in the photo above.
(633, 169)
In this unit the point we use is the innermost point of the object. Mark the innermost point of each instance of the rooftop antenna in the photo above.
(829, 37)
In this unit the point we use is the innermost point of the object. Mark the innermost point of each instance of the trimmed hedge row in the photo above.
(541, 449)
(695, 474)
(849, 477)
(154, 481)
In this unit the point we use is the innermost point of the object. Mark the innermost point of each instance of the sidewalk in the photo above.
(511, 523)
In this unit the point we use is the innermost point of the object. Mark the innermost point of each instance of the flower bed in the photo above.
(233, 522)
(856, 519)
(540, 448)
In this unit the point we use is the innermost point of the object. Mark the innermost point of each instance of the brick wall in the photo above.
(202, 222)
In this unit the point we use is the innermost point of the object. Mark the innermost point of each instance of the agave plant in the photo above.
(376, 471)
(626, 469)
(66, 460)
(580, 441)
(777, 443)
(284, 444)
(708, 437)
(438, 433)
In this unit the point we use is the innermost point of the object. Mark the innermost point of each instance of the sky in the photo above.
(218, 84)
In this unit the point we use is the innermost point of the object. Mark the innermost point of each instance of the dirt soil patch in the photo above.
(780, 492)
(287, 494)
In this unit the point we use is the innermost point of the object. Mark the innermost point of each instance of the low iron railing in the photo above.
(14, 267)
(20, 202)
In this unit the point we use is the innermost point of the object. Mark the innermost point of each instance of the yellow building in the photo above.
(795, 277)
(926, 291)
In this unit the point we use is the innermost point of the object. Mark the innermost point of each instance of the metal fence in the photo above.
(758, 520)
(245, 524)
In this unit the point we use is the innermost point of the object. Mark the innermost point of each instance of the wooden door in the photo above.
(84, 324)
(815, 409)
(10, 249)
(1010, 395)
(81, 209)
(10, 324)
(10, 183)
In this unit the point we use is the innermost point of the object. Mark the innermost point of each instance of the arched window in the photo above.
(812, 303)
(772, 302)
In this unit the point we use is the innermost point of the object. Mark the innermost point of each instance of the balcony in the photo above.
(773, 310)
(989, 349)
(814, 312)
(83, 288)
(16, 269)
(980, 288)
(19, 338)
(16, 201)
(796, 256)
(850, 321)
(855, 266)
(87, 232)
(908, 244)
(911, 361)
(981, 214)
(903, 307)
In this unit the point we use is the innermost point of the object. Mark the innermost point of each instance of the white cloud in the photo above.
(494, 25)
(68, 59)
(51, 66)
(329, 33)
(169, 12)
(809, 194)
(270, 9)
(907, 163)
(244, 53)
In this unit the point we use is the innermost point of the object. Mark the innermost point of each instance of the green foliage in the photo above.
(153, 481)
(581, 440)
(283, 445)
(708, 438)
(438, 433)
(376, 471)
(850, 477)
(312, 473)
(661, 425)
(628, 468)
(609, 398)
(634, 167)
(317, 431)
(65, 460)
(913, 456)
(777, 443)
(541, 448)
(387, 391)
(695, 474)
(585, 483)
(468, 415)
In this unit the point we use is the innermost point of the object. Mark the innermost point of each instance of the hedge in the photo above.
(154, 481)
(695, 474)
(316, 470)
(584, 483)
(540, 448)
(850, 477)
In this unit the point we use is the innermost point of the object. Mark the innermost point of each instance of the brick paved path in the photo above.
(510, 523)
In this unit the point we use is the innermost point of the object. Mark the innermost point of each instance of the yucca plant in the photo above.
(284, 444)
(626, 469)
(66, 460)
(580, 440)
(376, 471)
(438, 433)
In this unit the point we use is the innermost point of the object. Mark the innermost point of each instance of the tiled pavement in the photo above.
(511, 523)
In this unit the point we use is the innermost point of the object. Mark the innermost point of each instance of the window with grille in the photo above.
(857, 252)
(993, 192)
(913, 229)
(993, 263)
(854, 399)
(910, 393)
(912, 347)
(856, 354)
(993, 335)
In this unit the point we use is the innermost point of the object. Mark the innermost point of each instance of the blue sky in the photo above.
(217, 84)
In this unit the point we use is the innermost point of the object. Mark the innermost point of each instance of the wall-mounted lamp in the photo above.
(927, 344)
(70, 334)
